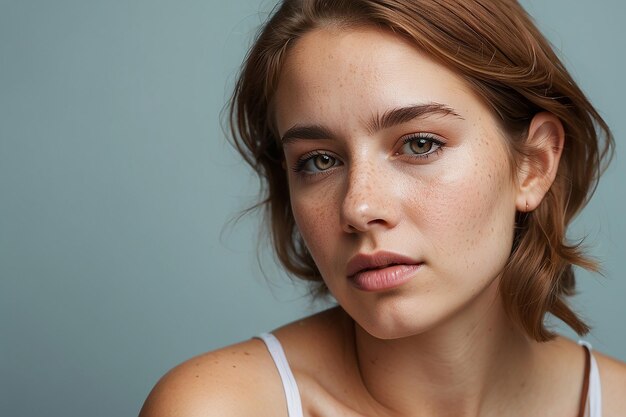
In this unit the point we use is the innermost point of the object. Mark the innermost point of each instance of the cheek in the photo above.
(469, 211)
(315, 215)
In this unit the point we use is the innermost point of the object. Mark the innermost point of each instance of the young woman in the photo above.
(422, 160)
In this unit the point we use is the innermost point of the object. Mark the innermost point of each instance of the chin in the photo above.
(389, 321)
(392, 331)
(386, 333)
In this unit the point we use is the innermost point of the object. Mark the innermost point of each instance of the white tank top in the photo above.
(294, 403)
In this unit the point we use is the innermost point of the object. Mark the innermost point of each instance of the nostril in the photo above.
(362, 211)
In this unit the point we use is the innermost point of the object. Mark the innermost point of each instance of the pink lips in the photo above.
(381, 270)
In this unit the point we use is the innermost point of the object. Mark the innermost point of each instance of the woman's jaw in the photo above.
(390, 154)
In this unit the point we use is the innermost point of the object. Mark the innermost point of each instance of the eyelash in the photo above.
(300, 163)
(304, 159)
(436, 143)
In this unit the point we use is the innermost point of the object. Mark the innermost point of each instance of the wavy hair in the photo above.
(496, 48)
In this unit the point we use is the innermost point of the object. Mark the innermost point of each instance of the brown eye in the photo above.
(316, 162)
(420, 146)
(323, 162)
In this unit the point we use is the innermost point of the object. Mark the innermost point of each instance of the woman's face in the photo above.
(399, 179)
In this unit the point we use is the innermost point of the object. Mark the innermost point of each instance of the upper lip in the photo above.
(381, 259)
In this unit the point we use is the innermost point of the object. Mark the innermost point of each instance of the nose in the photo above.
(368, 201)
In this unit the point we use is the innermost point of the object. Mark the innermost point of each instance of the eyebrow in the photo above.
(379, 122)
(306, 132)
(401, 115)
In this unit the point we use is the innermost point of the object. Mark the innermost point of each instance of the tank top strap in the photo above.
(594, 389)
(292, 395)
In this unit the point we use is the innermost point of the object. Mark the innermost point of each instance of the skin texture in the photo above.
(453, 211)
(440, 344)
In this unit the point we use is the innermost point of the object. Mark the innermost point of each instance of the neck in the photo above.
(475, 362)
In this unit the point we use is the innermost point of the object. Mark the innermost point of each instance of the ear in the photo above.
(537, 170)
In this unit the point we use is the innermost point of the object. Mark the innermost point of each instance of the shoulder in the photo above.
(239, 380)
(613, 383)
(242, 379)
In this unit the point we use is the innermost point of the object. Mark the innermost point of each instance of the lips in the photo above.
(381, 271)
(378, 260)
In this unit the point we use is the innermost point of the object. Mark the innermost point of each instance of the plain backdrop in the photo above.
(117, 258)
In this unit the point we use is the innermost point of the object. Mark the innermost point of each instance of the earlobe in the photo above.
(540, 160)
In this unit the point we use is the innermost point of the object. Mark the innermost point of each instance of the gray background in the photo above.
(116, 184)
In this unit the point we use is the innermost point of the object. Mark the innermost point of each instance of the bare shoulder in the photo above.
(242, 379)
(239, 380)
(613, 382)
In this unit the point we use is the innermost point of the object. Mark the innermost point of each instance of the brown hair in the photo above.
(496, 48)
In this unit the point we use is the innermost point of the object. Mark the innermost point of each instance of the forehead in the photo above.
(336, 75)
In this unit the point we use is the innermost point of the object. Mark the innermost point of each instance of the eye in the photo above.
(315, 162)
(323, 162)
(420, 145)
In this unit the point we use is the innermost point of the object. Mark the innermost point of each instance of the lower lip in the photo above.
(385, 278)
